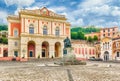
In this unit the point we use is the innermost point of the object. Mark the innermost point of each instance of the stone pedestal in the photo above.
(68, 51)
(68, 54)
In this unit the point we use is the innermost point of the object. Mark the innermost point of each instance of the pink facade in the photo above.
(108, 32)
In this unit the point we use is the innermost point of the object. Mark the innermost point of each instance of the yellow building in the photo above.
(110, 48)
(37, 33)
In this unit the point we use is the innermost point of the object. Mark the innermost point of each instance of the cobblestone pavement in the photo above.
(34, 71)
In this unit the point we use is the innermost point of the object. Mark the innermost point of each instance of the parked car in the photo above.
(95, 59)
(91, 59)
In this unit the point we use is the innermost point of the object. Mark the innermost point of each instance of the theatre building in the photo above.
(37, 33)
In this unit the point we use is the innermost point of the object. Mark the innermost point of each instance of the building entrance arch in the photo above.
(31, 49)
(5, 53)
(45, 49)
(57, 49)
(106, 56)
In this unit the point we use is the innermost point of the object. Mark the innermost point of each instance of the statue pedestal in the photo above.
(68, 54)
(68, 50)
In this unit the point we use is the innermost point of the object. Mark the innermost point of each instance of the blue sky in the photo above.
(101, 13)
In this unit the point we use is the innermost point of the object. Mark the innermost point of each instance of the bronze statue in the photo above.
(67, 43)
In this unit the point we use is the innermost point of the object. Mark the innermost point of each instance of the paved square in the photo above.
(41, 71)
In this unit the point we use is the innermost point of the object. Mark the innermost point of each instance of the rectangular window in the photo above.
(108, 34)
(57, 33)
(108, 30)
(104, 35)
(103, 30)
(16, 44)
(16, 53)
(113, 33)
(113, 29)
(44, 31)
(15, 33)
(31, 30)
(117, 54)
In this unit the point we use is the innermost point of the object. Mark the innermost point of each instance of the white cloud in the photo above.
(58, 9)
(19, 3)
(111, 24)
(102, 10)
(78, 22)
(17, 11)
(93, 3)
(115, 11)
(73, 3)
(32, 8)
(3, 17)
(96, 22)
(29, 8)
(95, 12)
(42, 4)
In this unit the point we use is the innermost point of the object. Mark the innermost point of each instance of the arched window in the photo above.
(31, 29)
(57, 31)
(45, 30)
(15, 32)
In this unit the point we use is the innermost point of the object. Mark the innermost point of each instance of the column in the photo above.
(62, 47)
(38, 50)
(51, 50)
(24, 51)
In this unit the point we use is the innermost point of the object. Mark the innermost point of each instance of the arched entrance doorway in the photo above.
(5, 53)
(106, 56)
(57, 49)
(45, 49)
(99, 55)
(31, 49)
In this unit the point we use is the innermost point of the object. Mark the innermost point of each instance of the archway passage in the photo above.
(45, 49)
(31, 49)
(106, 56)
(5, 53)
(57, 49)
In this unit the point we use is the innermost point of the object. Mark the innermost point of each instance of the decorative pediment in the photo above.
(106, 39)
(42, 12)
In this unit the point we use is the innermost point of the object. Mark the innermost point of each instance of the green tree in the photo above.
(4, 40)
(74, 35)
(90, 39)
(80, 35)
(85, 38)
(0, 40)
(95, 38)
(3, 27)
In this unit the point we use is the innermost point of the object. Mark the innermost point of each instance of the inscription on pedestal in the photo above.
(64, 51)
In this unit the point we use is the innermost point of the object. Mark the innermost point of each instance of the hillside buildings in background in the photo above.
(106, 47)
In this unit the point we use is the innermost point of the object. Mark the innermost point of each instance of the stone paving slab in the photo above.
(38, 71)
